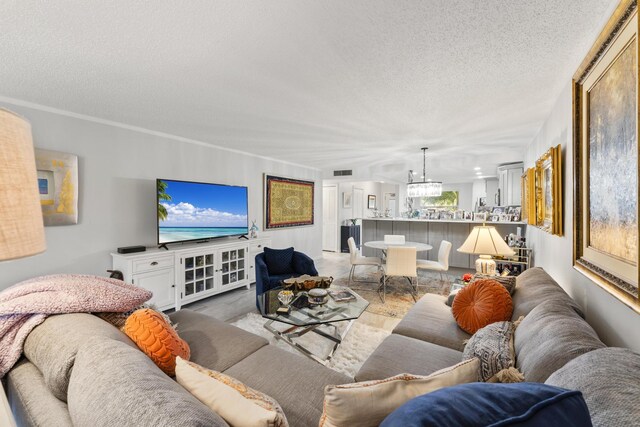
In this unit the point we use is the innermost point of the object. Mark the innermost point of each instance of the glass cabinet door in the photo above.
(198, 273)
(233, 264)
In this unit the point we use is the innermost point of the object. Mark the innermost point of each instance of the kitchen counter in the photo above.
(459, 221)
(433, 232)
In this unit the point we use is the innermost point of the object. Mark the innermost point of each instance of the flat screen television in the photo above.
(199, 211)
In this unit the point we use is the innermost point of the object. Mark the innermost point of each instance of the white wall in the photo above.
(615, 323)
(117, 172)
(465, 194)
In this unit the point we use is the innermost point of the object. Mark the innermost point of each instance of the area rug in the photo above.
(398, 300)
(357, 346)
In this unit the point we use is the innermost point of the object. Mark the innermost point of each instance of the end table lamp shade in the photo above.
(484, 240)
(21, 224)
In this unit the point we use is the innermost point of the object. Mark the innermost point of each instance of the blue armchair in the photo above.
(285, 264)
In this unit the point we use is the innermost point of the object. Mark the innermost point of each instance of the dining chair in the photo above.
(357, 259)
(394, 239)
(442, 265)
(401, 262)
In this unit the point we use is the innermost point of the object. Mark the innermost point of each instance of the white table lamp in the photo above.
(21, 224)
(484, 240)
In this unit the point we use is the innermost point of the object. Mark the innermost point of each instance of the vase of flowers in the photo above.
(466, 278)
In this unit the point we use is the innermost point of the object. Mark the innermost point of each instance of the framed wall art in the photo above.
(58, 186)
(605, 119)
(548, 191)
(288, 202)
(346, 199)
(528, 189)
(371, 201)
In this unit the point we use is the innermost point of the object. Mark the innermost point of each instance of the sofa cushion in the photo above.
(52, 346)
(31, 401)
(481, 303)
(295, 382)
(479, 404)
(214, 344)
(231, 399)
(609, 379)
(367, 404)
(493, 345)
(398, 354)
(533, 287)
(153, 334)
(431, 320)
(113, 384)
(549, 336)
(279, 261)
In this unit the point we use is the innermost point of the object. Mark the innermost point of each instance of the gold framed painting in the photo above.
(528, 191)
(548, 191)
(605, 116)
(288, 202)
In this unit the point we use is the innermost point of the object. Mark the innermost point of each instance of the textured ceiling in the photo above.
(325, 83)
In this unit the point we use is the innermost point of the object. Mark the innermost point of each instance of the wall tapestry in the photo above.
(548, 190)
(606, 158)
(288, 202)
(58, 186)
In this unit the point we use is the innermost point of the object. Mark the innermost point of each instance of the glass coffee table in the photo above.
(304, 318)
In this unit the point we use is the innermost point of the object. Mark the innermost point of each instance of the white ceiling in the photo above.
(332, 84)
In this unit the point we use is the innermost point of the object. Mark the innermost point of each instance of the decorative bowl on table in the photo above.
(306, 283)
(317, 296)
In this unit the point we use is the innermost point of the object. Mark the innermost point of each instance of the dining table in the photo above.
(381, 244)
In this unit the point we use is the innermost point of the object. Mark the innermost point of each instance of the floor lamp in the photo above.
(21, 224)
(484, 240)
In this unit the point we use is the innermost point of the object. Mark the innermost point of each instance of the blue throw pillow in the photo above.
(484, 404)
(279, 261)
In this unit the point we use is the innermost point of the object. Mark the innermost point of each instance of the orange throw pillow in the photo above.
(156, 338)
(480, 304)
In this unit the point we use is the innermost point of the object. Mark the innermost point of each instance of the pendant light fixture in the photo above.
(424, 188)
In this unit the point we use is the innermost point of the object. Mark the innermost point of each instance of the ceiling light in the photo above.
(414, 173)
(427, 188)
(477, 168)
(478, 173)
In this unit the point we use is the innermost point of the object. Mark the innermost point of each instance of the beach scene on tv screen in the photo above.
(194, 211)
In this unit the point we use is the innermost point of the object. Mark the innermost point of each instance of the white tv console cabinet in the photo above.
(187, 273)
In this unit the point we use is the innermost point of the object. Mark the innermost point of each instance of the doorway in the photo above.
(330, 218)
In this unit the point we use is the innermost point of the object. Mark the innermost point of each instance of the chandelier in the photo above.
(423, 188)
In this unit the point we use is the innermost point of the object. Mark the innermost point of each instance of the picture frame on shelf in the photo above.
(371, 201)
(480, 216)
(548, 189)
(605, 159)
(468, 216)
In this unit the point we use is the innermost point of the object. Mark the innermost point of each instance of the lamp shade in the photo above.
(21, 224)
(485, 240)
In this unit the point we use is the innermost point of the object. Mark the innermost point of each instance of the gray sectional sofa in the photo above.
(79, 370)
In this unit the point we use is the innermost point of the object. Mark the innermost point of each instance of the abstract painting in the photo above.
(288, 202)
(613, 160)
(58, 186)
(605, 114)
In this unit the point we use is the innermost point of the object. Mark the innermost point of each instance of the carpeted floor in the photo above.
(357, 346)
(398, 300)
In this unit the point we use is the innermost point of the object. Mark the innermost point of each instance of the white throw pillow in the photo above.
(239, 405)
(368, 403)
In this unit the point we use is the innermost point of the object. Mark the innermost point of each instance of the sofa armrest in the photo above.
(6, 416)
(303, 264)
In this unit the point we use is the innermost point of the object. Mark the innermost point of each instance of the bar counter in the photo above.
(431, 231)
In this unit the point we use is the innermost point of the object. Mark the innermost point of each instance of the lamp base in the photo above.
(485, 265)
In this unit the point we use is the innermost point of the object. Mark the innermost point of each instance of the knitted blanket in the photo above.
(27, 304)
